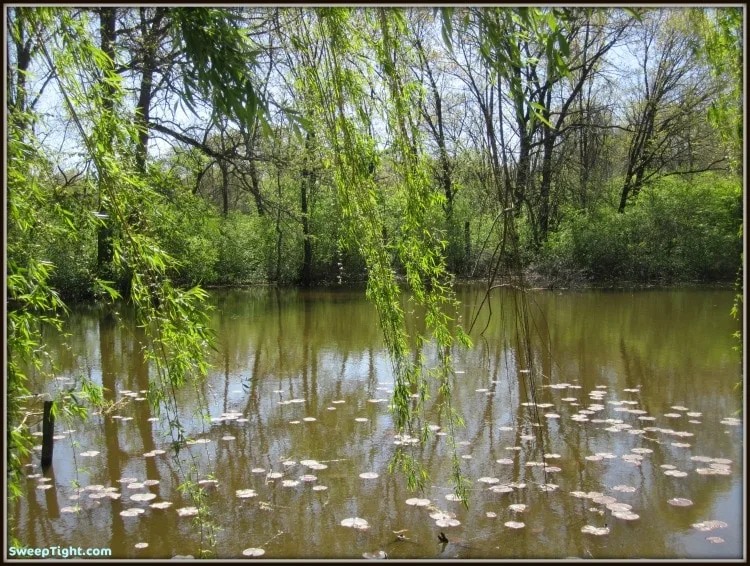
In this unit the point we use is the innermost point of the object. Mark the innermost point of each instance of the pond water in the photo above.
(636, 412)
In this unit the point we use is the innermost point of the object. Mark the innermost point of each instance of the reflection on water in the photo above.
(629, 385)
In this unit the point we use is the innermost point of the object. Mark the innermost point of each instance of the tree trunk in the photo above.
(107, 23)
(150, 39)
(306, 184)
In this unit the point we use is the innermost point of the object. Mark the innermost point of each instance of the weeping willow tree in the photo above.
(339, 52)
(175, 320)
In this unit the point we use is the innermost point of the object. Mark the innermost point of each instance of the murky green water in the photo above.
(672, 350)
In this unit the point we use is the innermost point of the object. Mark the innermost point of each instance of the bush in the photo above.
(677, 230)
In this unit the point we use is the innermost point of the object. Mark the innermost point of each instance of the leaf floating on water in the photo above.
(187, 511)
(361, 419)
(517, 507)
(680, 502)
(418, 502)
(318, 466)
(338, 401)
(710, 525)
(143, 497)
(140, 545)
(466, 456)
(253, 552)
(680, 444)
(245, 493)
(294, 422)
(594, 458)
(90, 454)
(70, 509)
(368, 475)
(504, 461)
(290, 483)
(377, 400)
(597, 531)
(675, 473)
(158, 452)
(132, 512)
(551, 456)
(309, 419)
(274, 475)
(258, 470)
(488, 480)
(93, 487)
(44, 486)
(452, 497)
(715, 540)
(501, 489)
(548, 486)
(308, 478)
(624, 488)
(228, 437)
(319, 488)
(552, 415)
(491, 514)
(356, 523)
(604, 499)
(514, 524)
(668, 467)
(379, 555)
(626, 515)
(156, 482)
(641, 450)
(619, 507)
(161, 505)
(136, 485)
(289, 463)
(444, 523)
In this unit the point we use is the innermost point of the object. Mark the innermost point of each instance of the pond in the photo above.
(631, 447)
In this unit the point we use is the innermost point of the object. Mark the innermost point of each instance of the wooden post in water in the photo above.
(48, 431)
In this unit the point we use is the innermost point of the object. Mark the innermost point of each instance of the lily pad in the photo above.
(143, 497)
(597, 531)
(356, 523)
(187, 511)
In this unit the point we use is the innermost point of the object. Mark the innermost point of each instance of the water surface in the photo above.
(656, 353)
